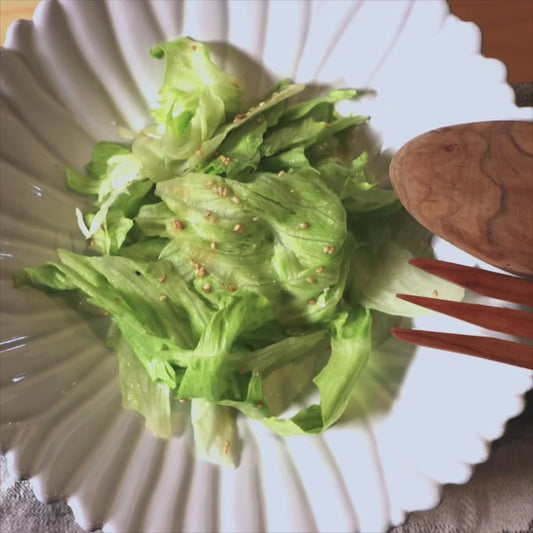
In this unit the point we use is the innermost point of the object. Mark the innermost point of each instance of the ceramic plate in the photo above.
(81, 73)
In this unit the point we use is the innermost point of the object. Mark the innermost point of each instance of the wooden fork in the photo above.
(515, 322)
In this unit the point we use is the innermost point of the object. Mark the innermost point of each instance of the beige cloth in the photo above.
(499, 496)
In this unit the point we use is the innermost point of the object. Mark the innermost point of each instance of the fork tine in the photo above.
(491, 284)
(511, 321)
(499, 350)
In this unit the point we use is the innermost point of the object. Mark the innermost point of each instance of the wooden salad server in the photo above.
(472, 185)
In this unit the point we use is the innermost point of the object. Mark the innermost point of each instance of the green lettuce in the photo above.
(241, 253)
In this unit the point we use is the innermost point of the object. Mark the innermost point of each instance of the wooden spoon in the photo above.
(472, 185)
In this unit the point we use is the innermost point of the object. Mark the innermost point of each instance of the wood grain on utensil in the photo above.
(472, 184)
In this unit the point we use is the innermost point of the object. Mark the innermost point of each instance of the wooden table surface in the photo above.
(507, 27)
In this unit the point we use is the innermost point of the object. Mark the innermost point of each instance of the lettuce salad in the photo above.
(242, 255)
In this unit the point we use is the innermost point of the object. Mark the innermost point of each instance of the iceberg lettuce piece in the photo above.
(242, 255)
(215, 433)
(165, 416)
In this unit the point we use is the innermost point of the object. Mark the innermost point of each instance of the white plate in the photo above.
(79, 74)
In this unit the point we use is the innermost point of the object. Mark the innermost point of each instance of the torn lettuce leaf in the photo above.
(165, 416)
(216, 436)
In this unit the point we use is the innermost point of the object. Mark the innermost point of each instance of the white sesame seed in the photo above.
(201, 272)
